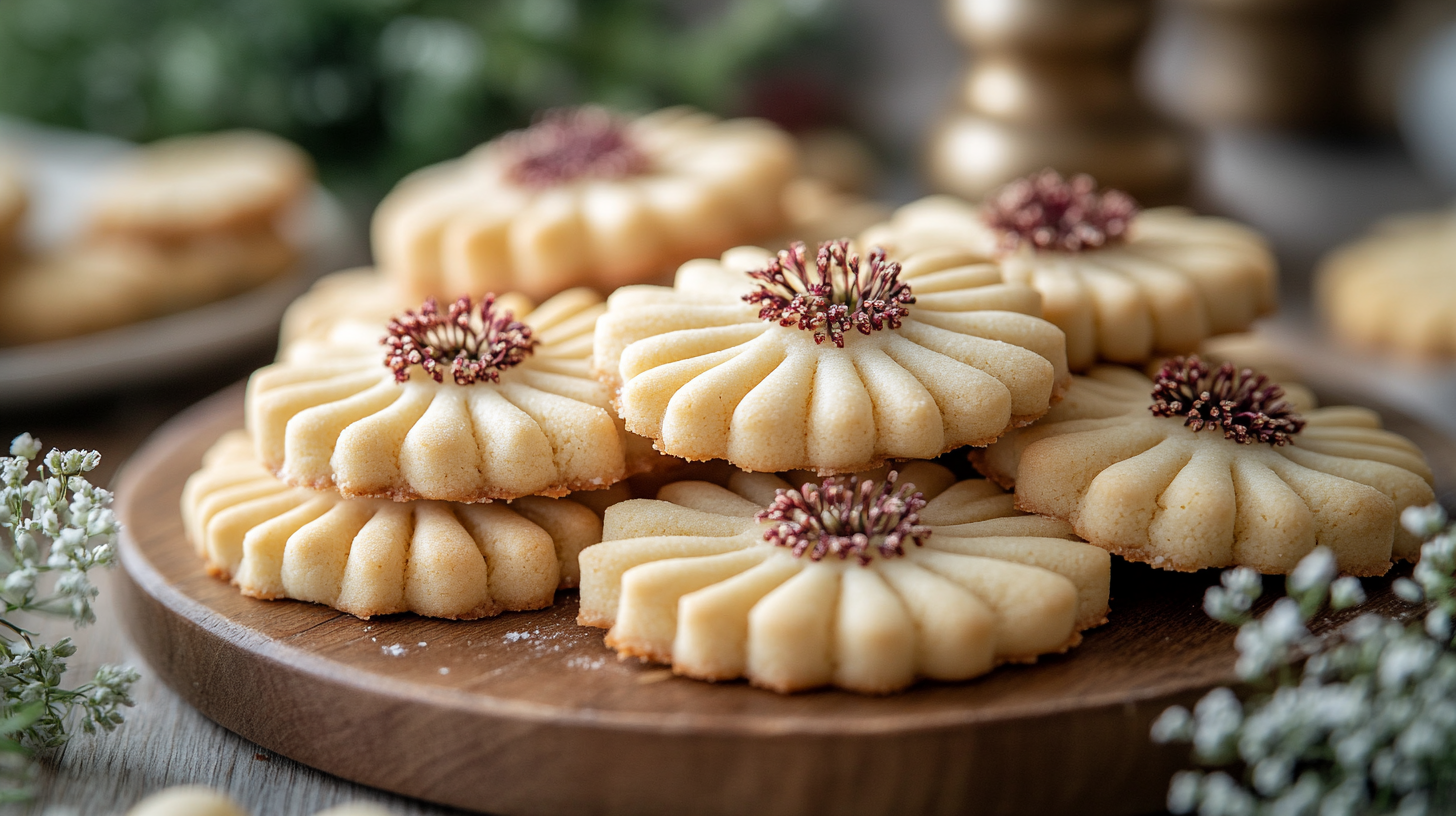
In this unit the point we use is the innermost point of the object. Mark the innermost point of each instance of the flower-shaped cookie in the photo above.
(1395, 288)
(1125, 285)
(829, 362)
(584, 198)
(463, 404)
(865, 583)
(1212, 468)
(373, 557)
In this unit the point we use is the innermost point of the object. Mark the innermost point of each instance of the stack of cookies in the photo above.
(180, 223)
(759, 471)
(457, 471)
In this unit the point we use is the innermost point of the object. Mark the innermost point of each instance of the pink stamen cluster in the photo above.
(1048, 212)
(476, 347)
(1243, 403)
(846, 518)
(834, 295)
(569, 144)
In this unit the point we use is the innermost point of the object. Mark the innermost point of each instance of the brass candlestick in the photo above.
(1052, 85)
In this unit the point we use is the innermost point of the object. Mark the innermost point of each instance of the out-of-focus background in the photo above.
(1309, 119)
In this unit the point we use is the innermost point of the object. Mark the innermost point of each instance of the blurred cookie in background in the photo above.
(237, 182)
(1395, 288)
(175, 225)
(585, 197)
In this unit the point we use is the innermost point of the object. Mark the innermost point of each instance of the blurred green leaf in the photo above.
(376, 88)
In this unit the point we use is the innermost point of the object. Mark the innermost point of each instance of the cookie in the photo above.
(1395, 288)
(109, 282)
(235, 181)
(372, 557)
(828, 361)
(462, 403)
(1126, 285)
(359, 295)
(815, 211)
(1213, 468)
(584, 198)
(865, 583)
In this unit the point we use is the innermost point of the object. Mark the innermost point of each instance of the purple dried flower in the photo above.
(1245, 404)
(1048, 212)
(846, 518)
(477, 348)
(832, 296)
(571, 143)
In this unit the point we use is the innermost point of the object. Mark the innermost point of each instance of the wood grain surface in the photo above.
(530, 714)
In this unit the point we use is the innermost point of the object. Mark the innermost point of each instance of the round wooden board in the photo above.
(528, 713)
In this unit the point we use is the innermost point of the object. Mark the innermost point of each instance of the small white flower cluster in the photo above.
(54, 528)
(1359, 722)
(63, 509)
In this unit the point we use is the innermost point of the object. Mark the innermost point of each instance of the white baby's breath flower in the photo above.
(1175, 724)
(54, 527)
(1217, 719)
(1314, 571)
(1222, 796)
(1438, 624)
(1408, 590)
(1404, 660)
(1184, 792)
(1346, 592)
(1424, 521)
(1301, 799)
(1359, 722)
(25, 446)
(1273, 774)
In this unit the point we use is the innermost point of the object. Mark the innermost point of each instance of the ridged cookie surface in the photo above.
(708, 374)
(584, 198)
(372, 557)
(332, 414)
(1174, 279)
(1150, 488)
(695, 580)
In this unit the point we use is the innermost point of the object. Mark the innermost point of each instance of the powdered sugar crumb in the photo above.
(423, 644)
(586, 663)
(394, 650)
(444, 670)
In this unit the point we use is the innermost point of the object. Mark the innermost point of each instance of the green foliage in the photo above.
(377, 87)
(1356, 723)
(55, 528)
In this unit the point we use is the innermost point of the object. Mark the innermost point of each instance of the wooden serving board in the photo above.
(528, 713)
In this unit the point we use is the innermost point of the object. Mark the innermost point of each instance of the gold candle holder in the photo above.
(1051, 85)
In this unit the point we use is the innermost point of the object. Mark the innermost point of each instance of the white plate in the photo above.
(59, 165)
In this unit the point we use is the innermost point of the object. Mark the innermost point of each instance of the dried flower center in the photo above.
(834, 295)
(846, 518)
(475, 346)
(1048, 212)
(566, 145)
(1243, 403)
